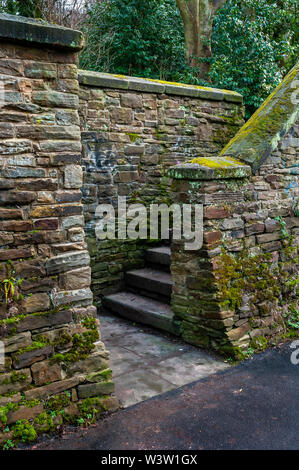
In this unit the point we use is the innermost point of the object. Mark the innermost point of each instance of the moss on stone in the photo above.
(261, 133)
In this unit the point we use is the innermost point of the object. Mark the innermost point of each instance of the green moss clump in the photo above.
(44, 422)
(133, 137)
(39, 344)
(83, 345)
(24, 431)
(58, 402)
(4, 410)
(90, 408)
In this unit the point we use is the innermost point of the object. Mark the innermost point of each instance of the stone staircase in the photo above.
(146, 298)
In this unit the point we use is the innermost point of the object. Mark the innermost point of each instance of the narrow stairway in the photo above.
(146, 298)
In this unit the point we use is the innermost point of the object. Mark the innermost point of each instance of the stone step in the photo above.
(150, 282)
(158, 256)
(142, 310)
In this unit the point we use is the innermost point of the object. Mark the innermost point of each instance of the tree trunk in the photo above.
(197, 16)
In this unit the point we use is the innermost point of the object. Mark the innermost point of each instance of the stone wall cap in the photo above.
(148, 85)
(260, 135)
(210, 168)
(39, 33)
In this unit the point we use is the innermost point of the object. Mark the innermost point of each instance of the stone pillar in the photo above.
(48, 324)
(217, 184)
(238, 292)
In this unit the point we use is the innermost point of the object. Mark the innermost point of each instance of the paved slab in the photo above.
(251, 406)
(146, 363)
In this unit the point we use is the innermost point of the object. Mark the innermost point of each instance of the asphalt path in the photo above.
(253, 405)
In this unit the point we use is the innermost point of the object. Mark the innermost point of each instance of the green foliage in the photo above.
(24, 431)
(83, 345)
(8, 445)
(254, 42)
(9, 286)
(29, 8)
(3, 413)
(246, 274)
(128, 37)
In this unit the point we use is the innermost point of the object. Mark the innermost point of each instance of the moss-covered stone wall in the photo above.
(239, 293)
(48, 325)
(133, 131)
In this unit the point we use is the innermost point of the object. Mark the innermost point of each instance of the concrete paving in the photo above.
(146, 363)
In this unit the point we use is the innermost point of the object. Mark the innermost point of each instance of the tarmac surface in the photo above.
(251, 406)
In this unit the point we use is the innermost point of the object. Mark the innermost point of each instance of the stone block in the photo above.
(45, 372)
(73, 296)
(24, 412)
(36, 303)
(34, 322)
(67, 262)
(214, 212)
(53, 388)
(15, 381)
(13, 343)
(28, 358)
(94, 389)
(97, 361)
(76, 279)
(55, 99)
(131, 100)
(232, 224)
(73, 177)
(121, 115)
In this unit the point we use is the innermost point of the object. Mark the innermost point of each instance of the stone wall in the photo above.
(133, 131)
(47, 321)
(238, 293)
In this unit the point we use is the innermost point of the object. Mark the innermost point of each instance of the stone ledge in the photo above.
(39, 33)
(260, 135)
(106, 80)
(210, 169)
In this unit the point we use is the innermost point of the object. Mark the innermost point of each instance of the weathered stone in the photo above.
(15, 382)
(13, 343)
(66, 262)
(27, 358)
(92, 390)
(53, 388)
(19, 253)
(102, 376)
(95, 362)
(232, 224)
(78, 278)
(55, 99)
(36, 303)
(45, 372)
(216, 212)
(73, 296)
(33, 322)
(131, 100)
(73, 175)
(258, 227)
(24, 412)
(15, 398)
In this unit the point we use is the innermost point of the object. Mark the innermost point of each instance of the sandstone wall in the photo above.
(133, 131)
(239, 292)
(47, 320)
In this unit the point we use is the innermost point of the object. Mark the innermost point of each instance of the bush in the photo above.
(254, 45)
(128, 37)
